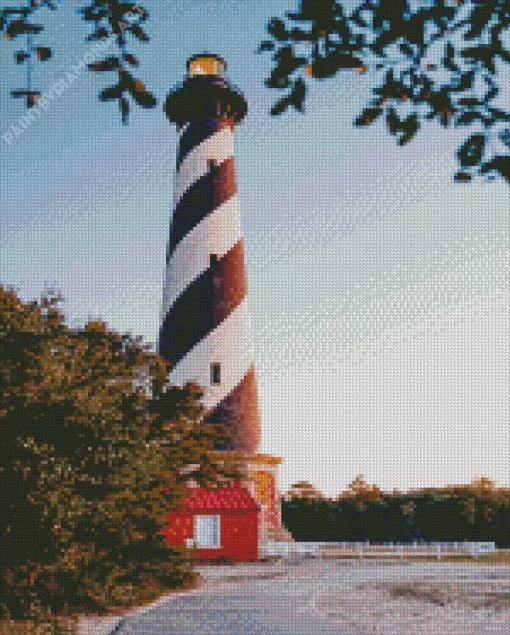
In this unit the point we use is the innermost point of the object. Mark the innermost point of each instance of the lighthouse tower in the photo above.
(205, 332)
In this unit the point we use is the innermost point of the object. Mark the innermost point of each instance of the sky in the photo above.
(377, 285)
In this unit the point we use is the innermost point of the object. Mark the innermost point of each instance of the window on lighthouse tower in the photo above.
(215, 374)
(212, 166)
(214, 264)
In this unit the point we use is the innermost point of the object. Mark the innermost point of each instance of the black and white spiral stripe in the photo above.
(205, 318)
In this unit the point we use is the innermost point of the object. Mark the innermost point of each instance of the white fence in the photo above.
(362, 549)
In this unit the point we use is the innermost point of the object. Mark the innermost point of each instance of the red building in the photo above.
(222, 523)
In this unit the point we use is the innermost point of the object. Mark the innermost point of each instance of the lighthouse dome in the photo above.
(205, 94)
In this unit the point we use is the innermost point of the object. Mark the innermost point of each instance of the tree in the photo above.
(95, 451)
(478, 511)
(305, 490)
(362, 490)
(431, 60)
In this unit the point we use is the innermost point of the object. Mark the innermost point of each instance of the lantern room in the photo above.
(205, 64)
(205, 94)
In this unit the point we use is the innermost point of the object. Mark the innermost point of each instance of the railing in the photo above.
(362, 550)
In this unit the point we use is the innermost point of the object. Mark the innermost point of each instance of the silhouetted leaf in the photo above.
(307, 9)
(131, 59)
(21, 56)
(500, 164)
(31, 96)
(113, 92)
(449, 57)
(392, 121)
(109, 64)
(98, 34)
(471, 151)
(124, 109)
(297, 95)
(286, 64)
(409, 127)
(94, 13)
(298, 35)
(468, 117)
(139, 33)
(277, 81)
(280, 106)
(464, 81)
(347, 61)
(463, 177)
(483, 54)
(266, 45)
(277, 29)
(328, 66)
(498, 114)
(21, 27)
(144, 98)
(478, 21)
(324, 67)
(43, 53)
(368, 116)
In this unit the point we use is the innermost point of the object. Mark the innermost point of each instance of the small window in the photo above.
(212, 163)
(215, 374)
(213, 260)
(206, 532)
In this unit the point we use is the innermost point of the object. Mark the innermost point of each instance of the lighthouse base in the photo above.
(261, 479)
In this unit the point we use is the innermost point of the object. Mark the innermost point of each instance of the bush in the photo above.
(94, 454)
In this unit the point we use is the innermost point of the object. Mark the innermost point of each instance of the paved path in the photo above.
(291, 599)
(283, 605)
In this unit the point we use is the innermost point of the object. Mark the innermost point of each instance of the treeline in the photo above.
(475, 512)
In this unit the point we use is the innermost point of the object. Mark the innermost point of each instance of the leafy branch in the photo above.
(113, 18)
(434, 60)
(15, 22)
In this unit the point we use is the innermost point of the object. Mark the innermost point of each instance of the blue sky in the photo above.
(377, 285)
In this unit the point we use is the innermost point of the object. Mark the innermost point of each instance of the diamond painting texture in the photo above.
(342, 300)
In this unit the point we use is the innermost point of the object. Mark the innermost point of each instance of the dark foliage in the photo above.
(95, 450)
(14, 22)
(434, 60)
(447, 515)
(113, 18)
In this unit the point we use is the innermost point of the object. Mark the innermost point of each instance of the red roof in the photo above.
(231, 498)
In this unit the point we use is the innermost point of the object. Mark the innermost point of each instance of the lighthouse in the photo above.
(205, 330)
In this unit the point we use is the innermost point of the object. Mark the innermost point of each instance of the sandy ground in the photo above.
(451, 601)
